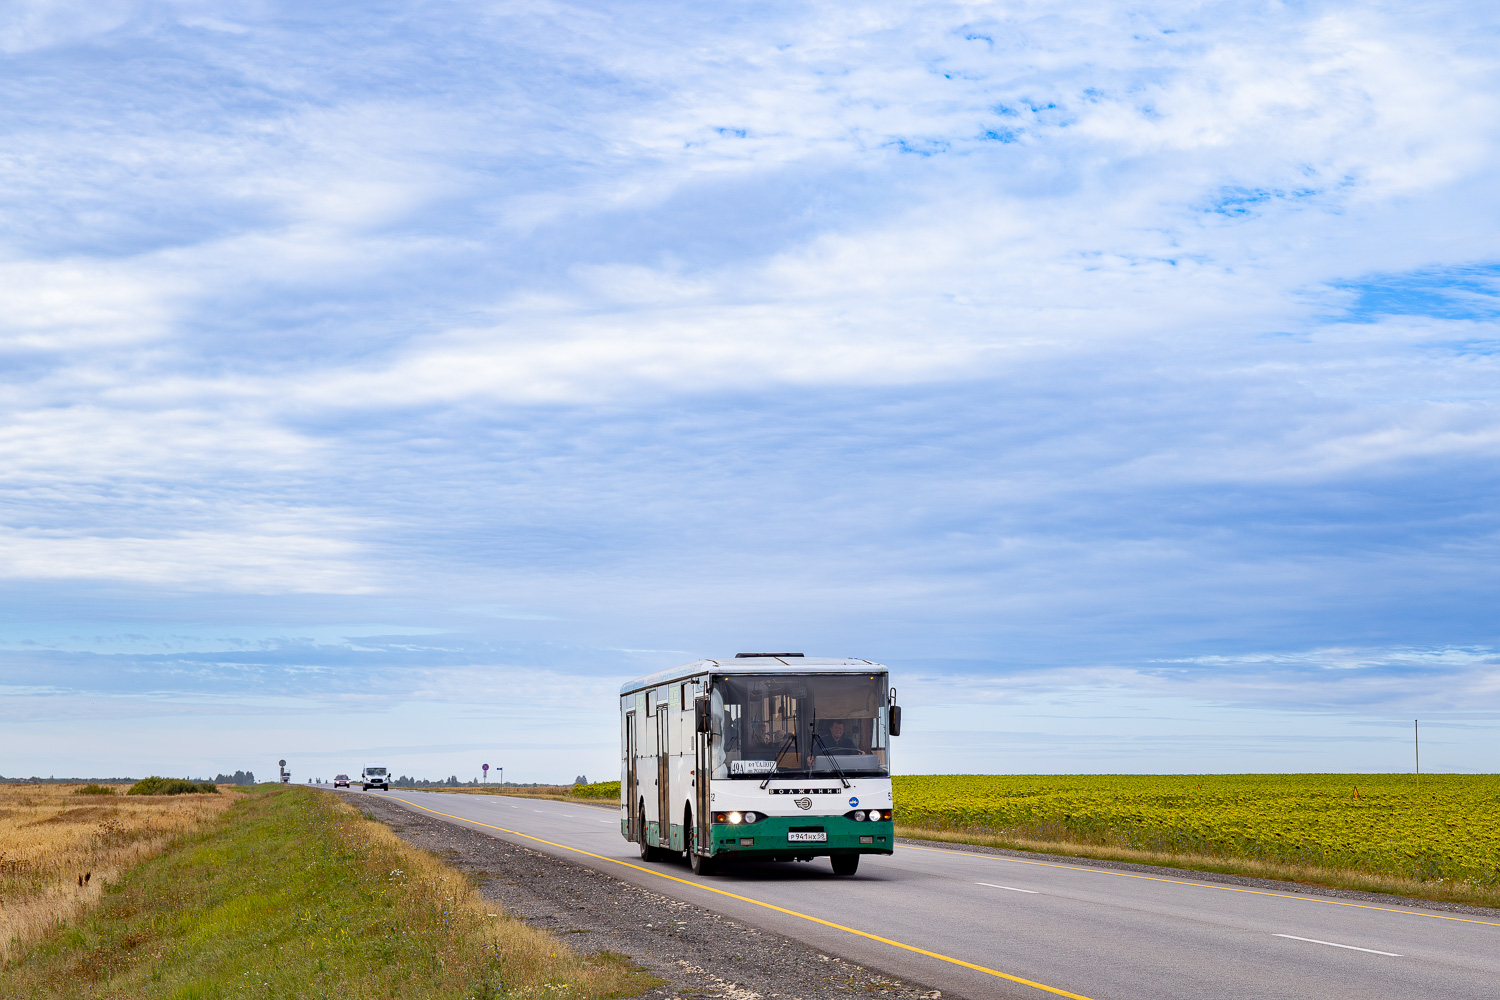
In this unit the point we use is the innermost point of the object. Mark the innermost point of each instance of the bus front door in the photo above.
(701, 812)
(633, 819)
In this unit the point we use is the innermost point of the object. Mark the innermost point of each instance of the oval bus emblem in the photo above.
(804, 803)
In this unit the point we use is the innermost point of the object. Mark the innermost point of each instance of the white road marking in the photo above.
(1335, 944)
(1010, 887)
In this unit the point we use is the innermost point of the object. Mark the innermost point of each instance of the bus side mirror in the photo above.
(895, 726)
(702, 718)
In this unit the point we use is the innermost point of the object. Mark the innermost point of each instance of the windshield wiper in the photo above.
(790, 738)
(831, 759)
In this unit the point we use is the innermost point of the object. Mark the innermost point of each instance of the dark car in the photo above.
(341, 781)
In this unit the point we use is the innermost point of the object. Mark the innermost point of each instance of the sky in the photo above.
(392, 381)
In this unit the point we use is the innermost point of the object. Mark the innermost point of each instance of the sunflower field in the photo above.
(1445, 830)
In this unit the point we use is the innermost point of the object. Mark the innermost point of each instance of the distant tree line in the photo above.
(406, 781)
(34, 780)
(237, 778)
(449, 782)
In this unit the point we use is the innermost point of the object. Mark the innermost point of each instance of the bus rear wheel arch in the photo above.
(648, 852)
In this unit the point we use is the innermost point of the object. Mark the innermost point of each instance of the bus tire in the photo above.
(700, 864)
(845, 864)
(648, 853)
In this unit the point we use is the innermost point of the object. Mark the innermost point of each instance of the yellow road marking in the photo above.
(769, 906)
(1206, 885)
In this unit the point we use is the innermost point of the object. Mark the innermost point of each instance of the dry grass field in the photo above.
(51, 838)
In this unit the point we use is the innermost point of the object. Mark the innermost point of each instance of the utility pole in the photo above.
(1416, 749)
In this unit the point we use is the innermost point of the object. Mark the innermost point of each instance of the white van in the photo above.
(375, 776)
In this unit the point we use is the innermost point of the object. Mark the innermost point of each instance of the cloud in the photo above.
(1078, 339)
(36, 24)
(289, 561)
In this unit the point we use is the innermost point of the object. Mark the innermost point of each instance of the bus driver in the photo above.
(835, 740)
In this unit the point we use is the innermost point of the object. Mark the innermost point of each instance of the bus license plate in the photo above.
(807, 837)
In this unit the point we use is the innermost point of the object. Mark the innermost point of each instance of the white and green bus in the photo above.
(763, 757)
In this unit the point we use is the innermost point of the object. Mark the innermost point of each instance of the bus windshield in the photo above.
(805, 724)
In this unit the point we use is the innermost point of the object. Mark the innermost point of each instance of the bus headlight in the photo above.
(868, 816)
(751, 817)
(735, 817)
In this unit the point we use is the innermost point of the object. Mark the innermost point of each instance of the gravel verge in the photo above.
(697, 952)
(1270, 885)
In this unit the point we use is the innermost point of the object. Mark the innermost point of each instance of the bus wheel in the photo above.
(703, 866)
(845, 864)
(648, 853)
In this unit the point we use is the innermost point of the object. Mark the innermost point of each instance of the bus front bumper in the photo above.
(784, 838)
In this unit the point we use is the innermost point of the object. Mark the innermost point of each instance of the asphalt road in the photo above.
(980, 925)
